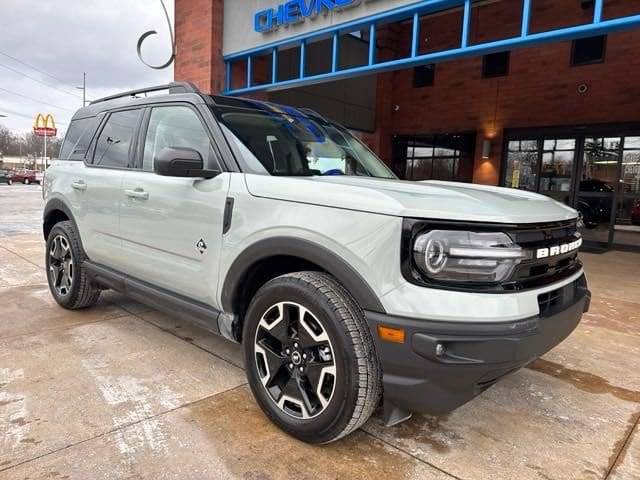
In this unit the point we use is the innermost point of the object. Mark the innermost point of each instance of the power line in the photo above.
(35, 99)
(38, 80)
(18, 114)
(36, 69)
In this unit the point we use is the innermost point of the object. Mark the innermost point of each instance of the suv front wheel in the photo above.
(310, 358)
(68, 280)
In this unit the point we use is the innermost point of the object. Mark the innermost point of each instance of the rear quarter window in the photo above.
(78, 137)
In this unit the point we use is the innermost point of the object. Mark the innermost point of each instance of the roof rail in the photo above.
(173, 87)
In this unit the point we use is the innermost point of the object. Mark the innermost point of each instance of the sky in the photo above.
(64, 38)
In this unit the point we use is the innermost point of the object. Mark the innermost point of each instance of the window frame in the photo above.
(217, 162)
(91, 151)
(97, 122)
(572, 62)
(496, 75)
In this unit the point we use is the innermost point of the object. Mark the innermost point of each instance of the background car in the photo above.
(5, 177)
(25, 176)
(635, 213)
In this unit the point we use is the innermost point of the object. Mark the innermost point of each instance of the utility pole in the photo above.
(84, 88)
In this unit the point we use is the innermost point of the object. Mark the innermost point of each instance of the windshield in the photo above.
(285, 142)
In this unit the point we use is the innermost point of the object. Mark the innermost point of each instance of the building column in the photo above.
(199, 28)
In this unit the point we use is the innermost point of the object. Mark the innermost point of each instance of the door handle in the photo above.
(137, 193)
(79, 185)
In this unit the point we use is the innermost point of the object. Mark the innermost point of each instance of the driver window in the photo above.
(174, 126)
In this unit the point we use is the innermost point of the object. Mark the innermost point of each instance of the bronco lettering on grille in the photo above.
(558, 249)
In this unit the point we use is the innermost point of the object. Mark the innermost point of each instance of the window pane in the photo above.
(522, 165)
(631, 171)
(600, 166)
(77, 139)
(178, 127)
(632, 142)
(560, 144)
(423, 152)
(112, 149)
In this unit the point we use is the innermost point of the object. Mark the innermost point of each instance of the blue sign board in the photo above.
(295, 11)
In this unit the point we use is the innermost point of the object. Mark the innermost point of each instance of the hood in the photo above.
(428, 199)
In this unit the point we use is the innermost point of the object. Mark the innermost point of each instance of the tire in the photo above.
(10, 182)
(26, 181)
(303, 332)
(73, 290)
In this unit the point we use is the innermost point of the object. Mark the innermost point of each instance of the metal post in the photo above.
(228, 74)
(249, 71)
(372, 44)
(526, 17)
(335, 52)
(303, 54)
(466, 23)
(84, 88)
(44, 160)
(274, 65)
(416, 33)
(597, 11)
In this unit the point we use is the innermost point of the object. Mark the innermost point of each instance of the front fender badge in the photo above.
(201, 246)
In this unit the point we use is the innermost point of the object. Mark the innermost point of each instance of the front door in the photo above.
(172, 227)
(609, 193)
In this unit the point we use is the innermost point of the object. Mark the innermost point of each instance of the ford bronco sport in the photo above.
(277, 228)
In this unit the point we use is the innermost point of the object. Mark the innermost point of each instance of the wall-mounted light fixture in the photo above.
(486, 148)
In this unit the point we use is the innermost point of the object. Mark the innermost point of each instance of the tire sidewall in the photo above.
(337, 414)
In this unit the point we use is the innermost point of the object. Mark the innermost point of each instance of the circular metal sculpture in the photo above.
(153, 32)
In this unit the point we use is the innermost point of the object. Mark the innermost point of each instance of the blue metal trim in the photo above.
(249, 70)
(372, 44)
(568, 33)
(402, 13)
(303, 57)
(274, 65)
(526, 17)
(335, 52)
(466, 24)
(597, 11)
(415, 34)
(227, 75)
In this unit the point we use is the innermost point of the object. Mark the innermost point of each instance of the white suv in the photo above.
(277, 228)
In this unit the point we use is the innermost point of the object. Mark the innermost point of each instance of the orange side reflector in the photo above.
(388, 334)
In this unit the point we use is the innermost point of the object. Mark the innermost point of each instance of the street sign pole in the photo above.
(45, 153)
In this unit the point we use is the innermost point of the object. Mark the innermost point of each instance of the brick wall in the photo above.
(198, 26)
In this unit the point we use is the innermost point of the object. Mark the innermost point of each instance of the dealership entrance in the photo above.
(595, 170)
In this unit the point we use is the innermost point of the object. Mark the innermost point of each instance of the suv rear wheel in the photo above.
(68, 281)
(310, 358)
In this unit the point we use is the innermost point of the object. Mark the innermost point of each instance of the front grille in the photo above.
(536, 272)
(557, 300)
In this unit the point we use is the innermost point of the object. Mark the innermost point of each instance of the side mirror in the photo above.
(181, 162)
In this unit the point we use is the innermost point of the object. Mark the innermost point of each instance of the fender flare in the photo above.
(306, 250)
(56, 204)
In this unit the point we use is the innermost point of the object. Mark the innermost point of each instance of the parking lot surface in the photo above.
(121, 391)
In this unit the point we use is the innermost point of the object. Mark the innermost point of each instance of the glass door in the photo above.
(597, 186)
(627, 216)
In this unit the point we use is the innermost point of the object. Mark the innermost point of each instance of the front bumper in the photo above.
(442, 365)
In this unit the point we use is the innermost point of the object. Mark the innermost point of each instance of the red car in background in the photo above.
(635, 213)
(25, 176)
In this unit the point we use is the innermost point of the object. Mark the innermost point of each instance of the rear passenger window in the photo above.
(113, 148)
(175, 126)
(78, 138)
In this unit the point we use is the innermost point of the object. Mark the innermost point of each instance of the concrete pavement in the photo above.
(121, 391)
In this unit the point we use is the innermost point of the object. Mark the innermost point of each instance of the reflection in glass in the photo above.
(631, 171)
(596, 215)
(600, 165)
(627, 226)
(522, 165)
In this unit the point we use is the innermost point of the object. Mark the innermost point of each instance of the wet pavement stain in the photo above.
(585, 381)
(429, 430)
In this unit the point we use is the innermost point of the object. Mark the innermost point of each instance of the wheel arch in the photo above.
(272, 257)
(55, 211)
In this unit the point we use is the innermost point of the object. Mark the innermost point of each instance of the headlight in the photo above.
(453, 256)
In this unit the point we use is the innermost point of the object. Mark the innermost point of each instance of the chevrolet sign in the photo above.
(295, 11)
(558, 249)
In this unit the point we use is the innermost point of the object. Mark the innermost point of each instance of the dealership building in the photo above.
(542, 95)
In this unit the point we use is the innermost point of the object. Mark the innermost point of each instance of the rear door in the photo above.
(172, 227)
(98, 186)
